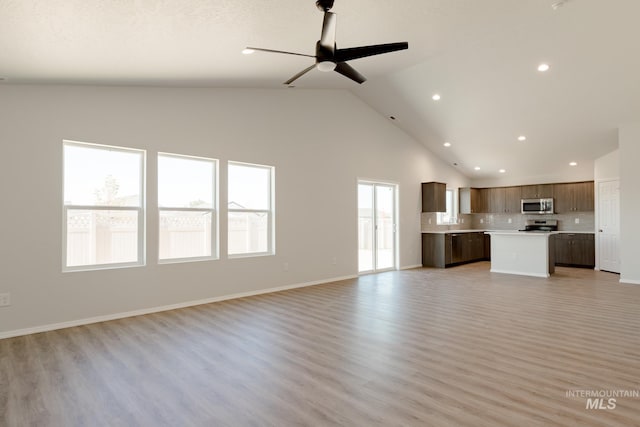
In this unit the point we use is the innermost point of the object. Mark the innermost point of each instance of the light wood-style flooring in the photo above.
(424, 347)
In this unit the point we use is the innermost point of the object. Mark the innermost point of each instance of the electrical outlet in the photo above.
(481, 220)
(5, 299)
(509, 221)
(577, 220)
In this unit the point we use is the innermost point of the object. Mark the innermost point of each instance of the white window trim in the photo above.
(215, 244)
(139, 209)
(271, 244)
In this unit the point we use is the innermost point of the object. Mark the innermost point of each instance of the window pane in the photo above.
(101, 237)
(365, 227)
(185, 182)
(248, 232)
(101, 176)
(185, 234)
(385, 214)
(249, 187)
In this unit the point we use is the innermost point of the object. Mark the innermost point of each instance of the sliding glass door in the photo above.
(376, 227)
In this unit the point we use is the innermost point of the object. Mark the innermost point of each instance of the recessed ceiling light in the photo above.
(543, 67)
(247, 51)
(522, 138)
(447, 144)
(477, 168)
(436, 97)
(573, 164)
(502, 171)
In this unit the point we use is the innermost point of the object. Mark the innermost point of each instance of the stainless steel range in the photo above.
(541, 225)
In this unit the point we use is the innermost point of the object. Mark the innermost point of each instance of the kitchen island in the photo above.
(522, 253)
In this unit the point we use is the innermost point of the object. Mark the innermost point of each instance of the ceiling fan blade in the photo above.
(279, 51)
(328, 37)
(300, 74)
(348, 71)
(362, 51)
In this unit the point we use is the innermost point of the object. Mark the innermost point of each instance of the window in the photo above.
(187, 208)
(447, 217)
(103, 208)
(250, 206)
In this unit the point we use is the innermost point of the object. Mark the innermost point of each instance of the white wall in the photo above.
(607, 167)
(629, 143)
(320, 142)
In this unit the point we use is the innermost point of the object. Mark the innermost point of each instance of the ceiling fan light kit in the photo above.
(328, 57)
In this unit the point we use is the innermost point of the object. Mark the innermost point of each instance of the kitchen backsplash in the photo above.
(429, 222)
(566, 222)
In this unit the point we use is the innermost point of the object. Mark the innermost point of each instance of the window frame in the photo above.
(270, 213)
(140, 211)
(214, 211)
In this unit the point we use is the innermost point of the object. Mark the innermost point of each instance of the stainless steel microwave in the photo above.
(537, 206)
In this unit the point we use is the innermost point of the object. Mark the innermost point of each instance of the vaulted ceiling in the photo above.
(481, 57)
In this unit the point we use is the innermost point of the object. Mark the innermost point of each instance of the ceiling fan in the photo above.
(328, 57)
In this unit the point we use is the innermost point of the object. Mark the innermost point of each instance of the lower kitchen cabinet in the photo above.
(447, 249)
(575, 249)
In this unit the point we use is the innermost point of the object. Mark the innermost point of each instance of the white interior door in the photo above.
(376, 227)
(609, 226)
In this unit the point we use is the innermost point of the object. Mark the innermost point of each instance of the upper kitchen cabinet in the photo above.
(540, 191)
(434, 197)
(574, 197)
(496, 200)
(513, 195)
(473, 200)
(504, 200)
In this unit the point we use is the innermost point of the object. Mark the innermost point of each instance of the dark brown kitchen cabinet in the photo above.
(487, 247)
(496, 200)
(575, 249)
(513, 195)
(436, 250)
(540, 191)
(458, 246)
(447, 249)
(473, 200)
(434, 197)
(574, 197)
(476, 246)
(504, 200)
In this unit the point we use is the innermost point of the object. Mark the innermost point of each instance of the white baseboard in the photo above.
(105, 318)
(410, 267)
(629, 281)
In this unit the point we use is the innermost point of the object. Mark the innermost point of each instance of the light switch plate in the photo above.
(5, 299)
